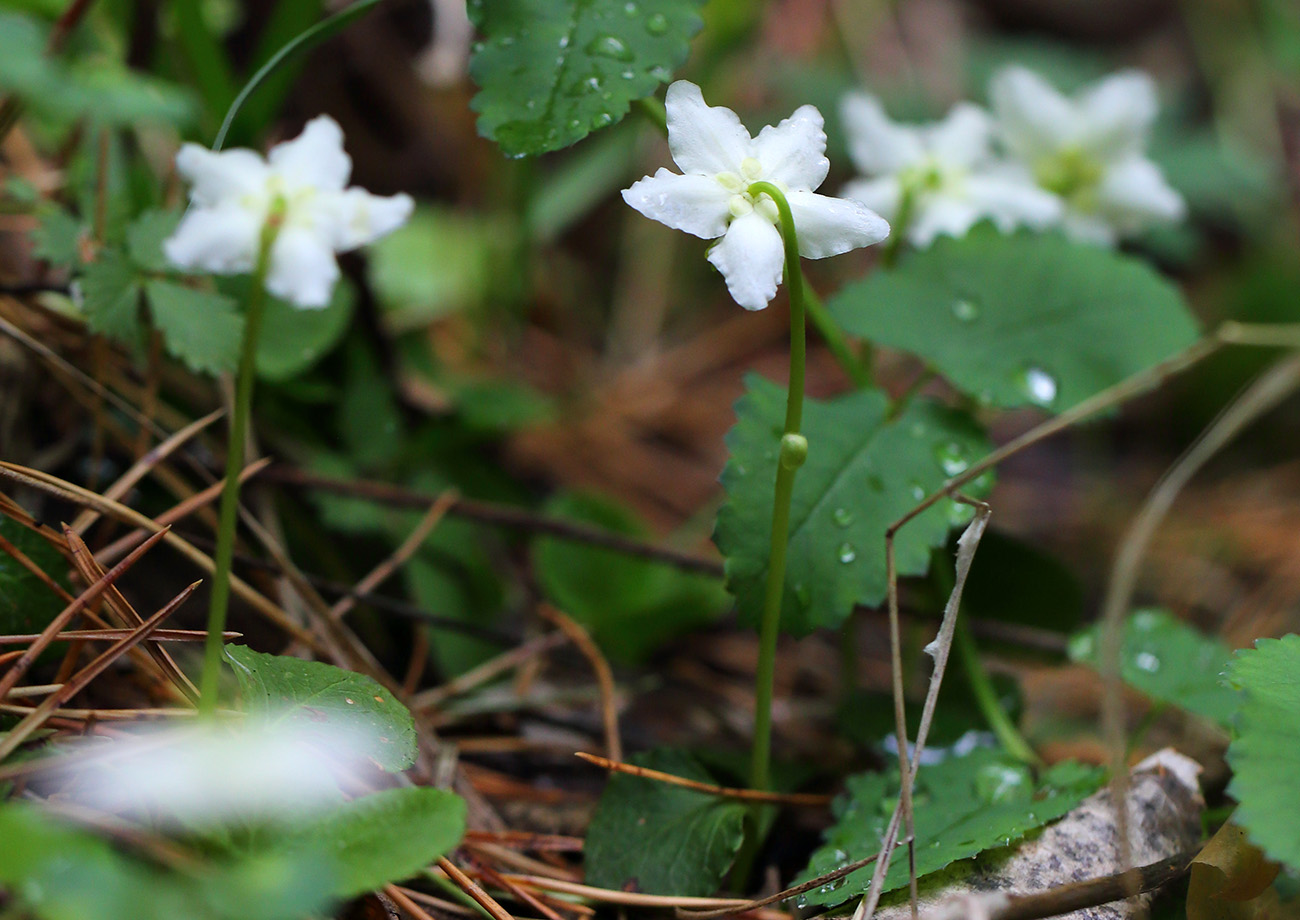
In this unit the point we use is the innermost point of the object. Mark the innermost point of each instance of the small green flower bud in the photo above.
(794, 451)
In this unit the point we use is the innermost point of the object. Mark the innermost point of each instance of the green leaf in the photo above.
(58, 238)
(630, 605)
(963, 806)
(201, 328)
(293, 339)
(553, 71)
(144, 239)
(657, 838)
(1022, 320)
(384, 837)
(310, 693)
(864, 471)
(110, 287)
(1169, 661)
(27, 605)
(1265, 755)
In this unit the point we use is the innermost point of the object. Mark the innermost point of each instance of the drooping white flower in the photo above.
(710, 198)
(304, 181)
(1089, 150)
(939, 178)
(261, 770)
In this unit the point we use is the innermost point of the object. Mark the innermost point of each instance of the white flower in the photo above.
(939, 178)
(719, 161)
(213, 773)
(304, 181)
(1088, 149)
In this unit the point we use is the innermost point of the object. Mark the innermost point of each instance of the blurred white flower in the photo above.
(939, 178)
(214, 773)
(1089, 150)
(710, 199)
(303, 181)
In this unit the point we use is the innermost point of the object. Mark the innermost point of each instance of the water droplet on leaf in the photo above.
(1145, 661)
(842, 517)
(657, 24)
(610, 47)
(1038, 386)
(965, 311)
(952, 458)
(847, 553)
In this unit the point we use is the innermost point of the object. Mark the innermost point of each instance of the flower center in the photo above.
(929, 175)
(741, 201)
(1070, 173)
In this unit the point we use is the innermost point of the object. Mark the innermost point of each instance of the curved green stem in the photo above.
(224, 553)
(794, 450)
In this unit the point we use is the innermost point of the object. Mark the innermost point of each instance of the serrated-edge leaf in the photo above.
(145, 235)
(199, 327)
(312, 693)
(110, 288)
(552, 71)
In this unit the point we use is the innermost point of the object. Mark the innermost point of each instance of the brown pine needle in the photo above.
(161, 635)
(472, 888)
(604, 676)
(803, 799)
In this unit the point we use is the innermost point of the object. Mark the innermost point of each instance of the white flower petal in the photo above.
(303, 270)
(1134, 193)
(794, 152)
(1117, 113)
(963, 138)
(829, 226)
(222, 240)
(1033, 119)
(1011, 199)
(877, 145)
(1088, 228)
(940, 215)
(216, 177)
(751, 258)
(360, 217)
(314, 158)
(704, 139)
(883, 195)
(696, 204)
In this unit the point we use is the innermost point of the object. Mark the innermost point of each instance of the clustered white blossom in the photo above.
(302, 182)
(1039, 159)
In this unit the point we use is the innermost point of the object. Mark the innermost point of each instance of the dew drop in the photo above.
(564, 41)
(965, 311)
(1039, 386)
(1145, 661)
(657, 24)
(802, 593)
(631, 9)
(847, 553)
(802, 901)
(603, 119)
(505, 41)
(659, 72)
(610, 47)
(842, 517)
(952, 458)
(917, 491)
(997, 782)
(627, 75)
(959, 514)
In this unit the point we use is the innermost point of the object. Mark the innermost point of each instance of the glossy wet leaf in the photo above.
(864, 471)
(1265, 755)
(552, 71)
(1022, 320)
(311, 693)
(657, 838)
(1169, 661)
(630, 605)
(384, 837)
(963, 806)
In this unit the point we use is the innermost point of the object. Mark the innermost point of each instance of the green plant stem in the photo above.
(794, 449)
(857, 366)
(898, 230)
(652, 110)
(986, 698)
(224, 553)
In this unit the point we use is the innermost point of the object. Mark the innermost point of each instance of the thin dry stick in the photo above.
(112, 634)
(628, 898)
(471, 888)
(807, 886)
(116, 715)
(476, 676)
(403, 895)
(20, 732)
(528, 840)
(75, 494)
(380, 573)
(1261, 396)
(722, 792)
(604, 676)
(141, 467)
(399, 896)
(967, 544)
(496, 878)
(95, 589)
(181, 511)
(90, 569)
(526, 864)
